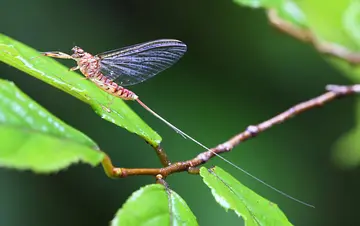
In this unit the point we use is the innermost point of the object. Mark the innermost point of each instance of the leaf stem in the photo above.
(165, 161)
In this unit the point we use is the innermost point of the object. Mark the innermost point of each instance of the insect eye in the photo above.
(77, 50)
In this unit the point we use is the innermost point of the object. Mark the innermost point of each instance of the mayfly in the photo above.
(127, 66)
(131, 65)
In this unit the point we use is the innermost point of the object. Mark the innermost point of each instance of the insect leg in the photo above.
(74, 68)
(105, 108)
(111, 101)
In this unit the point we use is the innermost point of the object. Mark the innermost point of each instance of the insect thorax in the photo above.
(89, 65)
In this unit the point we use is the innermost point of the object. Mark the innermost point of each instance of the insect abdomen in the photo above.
(125, 94)
(112, 88)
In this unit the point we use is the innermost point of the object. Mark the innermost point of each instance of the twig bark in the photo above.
(165, 161)
(334, 91)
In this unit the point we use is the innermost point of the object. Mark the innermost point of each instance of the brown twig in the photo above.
(165, 161)
(306, 35)
(334, 91)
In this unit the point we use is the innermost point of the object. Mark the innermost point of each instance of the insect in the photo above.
(127, 66)
(113, 70)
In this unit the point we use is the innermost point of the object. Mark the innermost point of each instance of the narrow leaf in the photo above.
(154, 205)
(231, 194)
(33, 139)
(50, 71)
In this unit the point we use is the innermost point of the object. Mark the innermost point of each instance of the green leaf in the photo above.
(259, 3)
(325, 21)
(50, 71)
(33, 139)
(231, 194)
(154, 205)
(291, 12)
(351, 21)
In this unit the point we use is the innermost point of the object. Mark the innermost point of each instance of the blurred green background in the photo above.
(238, 71)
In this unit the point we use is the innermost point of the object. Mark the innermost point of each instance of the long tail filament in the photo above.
(227, 161)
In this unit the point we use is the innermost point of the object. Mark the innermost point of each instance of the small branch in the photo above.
(160, 152)
(334, 91)
(306, 35)
(162, 156)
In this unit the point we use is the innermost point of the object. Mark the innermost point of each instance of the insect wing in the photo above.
(137, 63)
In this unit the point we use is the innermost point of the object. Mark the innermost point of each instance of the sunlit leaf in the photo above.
(351, 21)
(33, 139)
(259, 3)
(154, 205)
(231, 194)
(47, 69)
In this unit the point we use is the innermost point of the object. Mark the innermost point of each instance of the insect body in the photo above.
(114, 69)
(126, 66)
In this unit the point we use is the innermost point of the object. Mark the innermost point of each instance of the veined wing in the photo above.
(137, 63)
